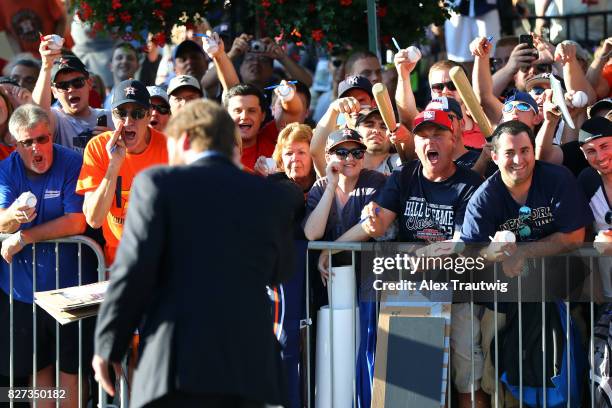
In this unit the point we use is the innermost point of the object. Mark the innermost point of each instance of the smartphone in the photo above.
(526, 39)
(101, 121)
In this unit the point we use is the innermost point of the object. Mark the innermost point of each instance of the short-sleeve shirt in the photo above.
(95, 164)
(555, 203)
(469, 159)
(341, 220)
(75, 132)
(264, 146)
(593, 188)
(56, 196)
(428, 211)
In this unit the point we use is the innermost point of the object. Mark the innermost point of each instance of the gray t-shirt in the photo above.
(74, 132)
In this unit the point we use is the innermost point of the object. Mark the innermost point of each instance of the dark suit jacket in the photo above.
(199, 245)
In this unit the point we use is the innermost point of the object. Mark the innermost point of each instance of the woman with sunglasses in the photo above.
(334, 206)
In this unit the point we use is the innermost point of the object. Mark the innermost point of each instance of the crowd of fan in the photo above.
(436, 177)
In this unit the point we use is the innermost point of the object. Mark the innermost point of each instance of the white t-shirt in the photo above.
(74, 132)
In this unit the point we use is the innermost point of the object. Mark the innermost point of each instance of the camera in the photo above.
(257, 46)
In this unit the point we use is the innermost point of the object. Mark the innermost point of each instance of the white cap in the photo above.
(184, 80)
(157, 91)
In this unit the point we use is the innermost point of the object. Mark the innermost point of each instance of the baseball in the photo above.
(580, 99)
(56, 42)
(505, 236)
(414, 54)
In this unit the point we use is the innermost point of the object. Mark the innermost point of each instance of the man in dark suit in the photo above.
(200, 244)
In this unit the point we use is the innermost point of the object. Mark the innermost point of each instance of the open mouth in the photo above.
(128, 135)
(153, 123)
(73, 100)
(244, 127)
(37, 159)
(433, 156)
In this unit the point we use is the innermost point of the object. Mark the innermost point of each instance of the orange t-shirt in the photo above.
(5, 151)
(95, 164)
(25, 19)
(607, 74)
(266, 142)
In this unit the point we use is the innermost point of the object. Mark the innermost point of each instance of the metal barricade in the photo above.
(589, 254)
(79, 241)
(586, 18)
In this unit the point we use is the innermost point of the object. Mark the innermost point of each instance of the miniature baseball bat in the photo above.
(558, 98)
(383, 101)
(470, 101)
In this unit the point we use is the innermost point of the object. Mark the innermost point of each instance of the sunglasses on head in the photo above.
(76, 83)
(537, 90)
(439, 87)
(343, 153)
(161, 109)
(136, 114)
(520, 106)
(38, 140)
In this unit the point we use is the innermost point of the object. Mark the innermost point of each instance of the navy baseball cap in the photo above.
(366, 113)
(355, 82)
(130, 90)
(594, 128)
(186, 46)
(520, 96)
(68, 63)
(340, 136)
(602, 104)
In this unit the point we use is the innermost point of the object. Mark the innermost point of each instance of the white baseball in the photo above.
(210, 46)
(56, 42)
(580, 99)
(414, 54)
(505, 236)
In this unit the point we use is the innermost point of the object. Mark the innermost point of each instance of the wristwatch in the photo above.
(20, 239)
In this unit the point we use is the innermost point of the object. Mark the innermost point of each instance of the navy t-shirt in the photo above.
(555, 203)
(339, 221)
(469, 159)
(56, 196)
(428, 211)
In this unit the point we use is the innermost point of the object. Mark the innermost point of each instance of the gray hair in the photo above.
(26, 117)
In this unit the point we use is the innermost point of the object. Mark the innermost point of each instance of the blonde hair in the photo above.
(293, 132)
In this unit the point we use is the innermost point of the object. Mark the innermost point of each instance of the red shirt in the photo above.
(474, 138)
(264, 146)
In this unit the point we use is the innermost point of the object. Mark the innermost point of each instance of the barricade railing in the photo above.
(588, 254)
(83, 366)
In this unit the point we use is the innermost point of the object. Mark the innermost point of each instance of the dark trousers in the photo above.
(185, 400)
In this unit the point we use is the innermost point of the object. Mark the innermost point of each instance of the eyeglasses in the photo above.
(136, 114)
(76, 83)
(343, 153)
(608, 217)
(439, 87)
(38, 140)
(520, 106)
(161, 109)
(537, 90)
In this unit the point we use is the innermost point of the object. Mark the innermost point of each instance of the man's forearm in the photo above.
(314, 228)
(226, 73)
(8, 224)
(554, 244)
(64, 226)
(98, 203)
(326, 125)
(501, 80)
(544, 141)
(296, 71)
(41, 94)
(406, 104)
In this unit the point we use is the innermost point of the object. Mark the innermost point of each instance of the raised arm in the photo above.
(482, 80)
(545, 150)
(314, 228)
(404, 96)
(225, 71)
(573, 75)
(295, 70)
(522, 56)
(42, 94)
(600, 59)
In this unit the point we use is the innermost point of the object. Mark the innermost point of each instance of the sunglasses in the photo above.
(38, 140)
(537, 90)
(342, 153)
(76, 83)
(136, 114)
(539, 69)
(608, 217)
(440, 86)
(161, 109)
(520, 106)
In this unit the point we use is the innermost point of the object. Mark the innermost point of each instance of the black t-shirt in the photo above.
(428, 211)
(555, 203)
(573, 158)
(298, 231)
(469, 158)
